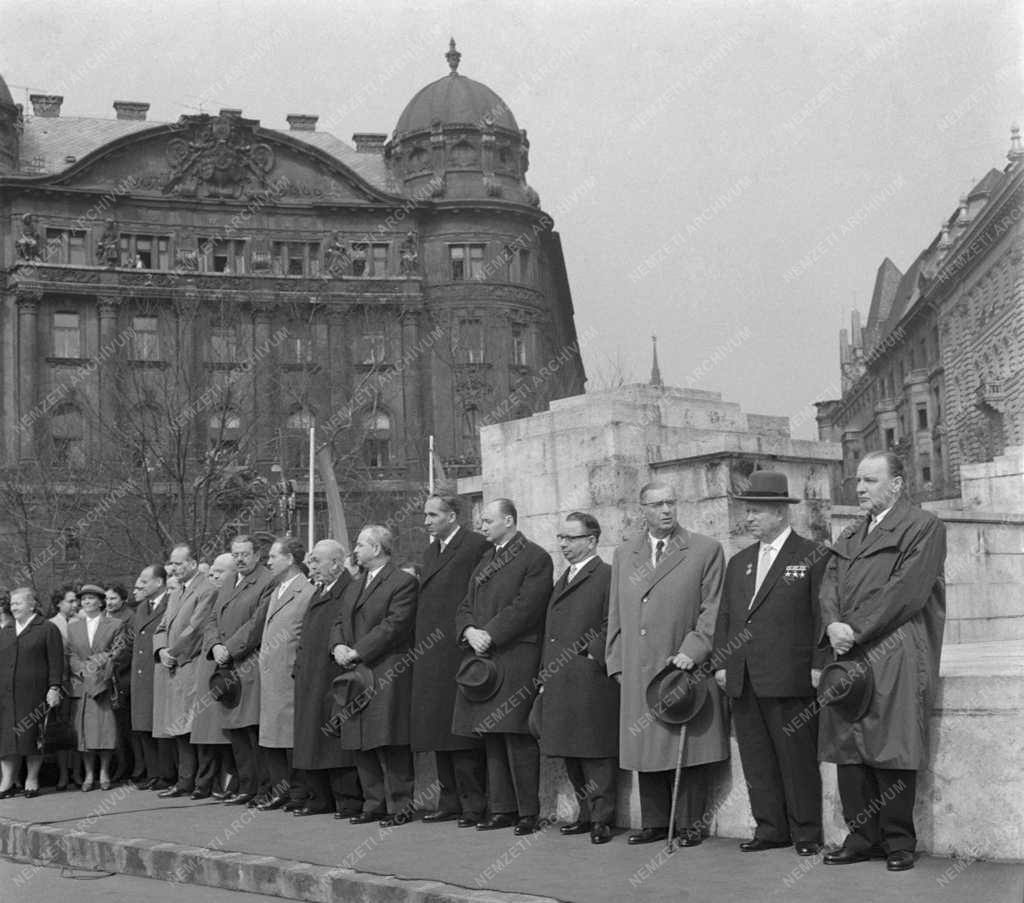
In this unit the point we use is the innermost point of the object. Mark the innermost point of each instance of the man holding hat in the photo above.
(883, 606)
(765, 640)
(666, 587)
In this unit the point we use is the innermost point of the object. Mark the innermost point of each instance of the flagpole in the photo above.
(312, 485)
(430, 467)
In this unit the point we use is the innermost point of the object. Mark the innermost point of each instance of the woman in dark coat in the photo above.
(96, 647)
(119, 606)
(31, 669)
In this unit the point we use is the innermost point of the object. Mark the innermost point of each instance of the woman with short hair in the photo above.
(31, 670)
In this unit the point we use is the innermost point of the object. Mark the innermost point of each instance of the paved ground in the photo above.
(542, 865)
(35, 884)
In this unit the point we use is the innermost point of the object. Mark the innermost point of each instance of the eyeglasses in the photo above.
(565, 537)
(667, 503)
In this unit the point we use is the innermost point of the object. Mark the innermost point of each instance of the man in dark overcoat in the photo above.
(375, 628)
(769, 662)
(579, 702)
(448, 563)
(329, 772)
(151, 596)
(502, 617)
(883, 606)
(232, 641)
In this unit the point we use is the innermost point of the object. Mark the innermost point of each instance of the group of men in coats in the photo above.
(485, 662)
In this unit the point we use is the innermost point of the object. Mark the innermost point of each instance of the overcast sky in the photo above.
(726, 175)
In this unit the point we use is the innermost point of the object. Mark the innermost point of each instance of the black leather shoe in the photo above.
(271, 803)
(899, 860)
(201, 794)
(294, 805)
(221, 795)
(846, 856)
(691, 838)
(807, 848)
(441, 815)
(600, 834)
(366, 818)
(305, 811)
(647, 835)
(467, 821)
(576, 827)
(34, 792)
(148, 785)
(11, 791)
(395, 821)
(758, 844)
(172, 792)
(526, 825)
(496, 821)
(240, 799)
(346, 813)
(161, 784)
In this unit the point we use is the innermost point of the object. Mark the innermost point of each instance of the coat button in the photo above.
(643, 631)
(553, 640)
(644, 599)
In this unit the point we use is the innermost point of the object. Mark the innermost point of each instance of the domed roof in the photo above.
(5, 95)
(454, 99)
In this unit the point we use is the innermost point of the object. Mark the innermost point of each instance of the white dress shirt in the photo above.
(444, 542)
(877, 519)
(766, 557)
(574, 569)
(18, 628)
(91, 626)
(283, 588)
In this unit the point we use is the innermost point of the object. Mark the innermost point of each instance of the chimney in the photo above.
(302, 122)
(369, 142)
(46, 105)
(131, 109)
(230, 111)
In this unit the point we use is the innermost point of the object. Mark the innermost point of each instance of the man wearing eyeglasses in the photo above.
(666, 587)
(579, 707)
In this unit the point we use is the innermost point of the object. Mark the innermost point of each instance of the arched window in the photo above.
(295, 442)
(377, 438)
(224, 429)
(67, 434)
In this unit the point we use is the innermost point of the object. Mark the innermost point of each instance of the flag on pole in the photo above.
(335, 510)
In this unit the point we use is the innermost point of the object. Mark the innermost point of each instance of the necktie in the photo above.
(764, 563)
(571, 574)
(872, 524)
(659, 549)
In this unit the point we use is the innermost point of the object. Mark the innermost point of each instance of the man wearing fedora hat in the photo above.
(766, 642)
(665, 592)
(502, 617)
(883, 606)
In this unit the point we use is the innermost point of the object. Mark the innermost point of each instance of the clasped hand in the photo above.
(841, 637)
(345, 656)
(479, 640)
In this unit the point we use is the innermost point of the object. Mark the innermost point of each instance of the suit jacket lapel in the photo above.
(512, 548)
(436, 559)
(277, 604)
(370, 588)
(784, 557)
(672, 556)
(563, 587)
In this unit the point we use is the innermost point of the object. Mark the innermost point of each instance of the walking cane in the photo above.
(675, 791)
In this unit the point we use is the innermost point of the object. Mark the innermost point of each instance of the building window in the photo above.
(297, 258)
(519, 349)
(225, 431)
(369, 259)
(146, 252)
(890, 438)
(297, 349)
(922, 417)
(222, 255)
(223, 345)
(523, 266)
(295, 451)
(926, 467)
(145, 339)
(65, 246)
(67, 335)
(377, 439)
(470, 422)
(66, 432)
(467, 262)
(471, 341)
(375, 348)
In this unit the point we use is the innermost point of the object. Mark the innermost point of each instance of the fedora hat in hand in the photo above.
(767, 486)
(848, 686)
(533, 723)
(675, 696)
(478, 678)
(226, 686)
(351, 691)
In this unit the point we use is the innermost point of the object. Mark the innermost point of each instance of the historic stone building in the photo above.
(937, 371)
(181, 301)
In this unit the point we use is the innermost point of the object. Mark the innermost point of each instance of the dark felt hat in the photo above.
(536, 713)
(767, 486)
(226, 687)
(478, 678)
(848, 686)
(675, 696)
(351, 691)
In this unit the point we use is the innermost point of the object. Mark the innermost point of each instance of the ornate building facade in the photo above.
(937, 371)
(182, 301)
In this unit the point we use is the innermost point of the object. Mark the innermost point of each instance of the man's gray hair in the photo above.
(654, 486)
(382, 536)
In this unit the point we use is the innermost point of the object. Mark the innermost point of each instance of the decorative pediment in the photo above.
(220, 158)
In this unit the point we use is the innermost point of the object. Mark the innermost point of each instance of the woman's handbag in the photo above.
(56, 732)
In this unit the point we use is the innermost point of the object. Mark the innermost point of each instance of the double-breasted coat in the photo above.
(580, 708)
(889, 586)
(231, 624)
(145, 620)
(444, 580)
(772, 637)
(91, 668)
(655, 613)
(378, 621)
(507, 596)
(314, 670)
(29, 665)
(180, 632)
(282, 622)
